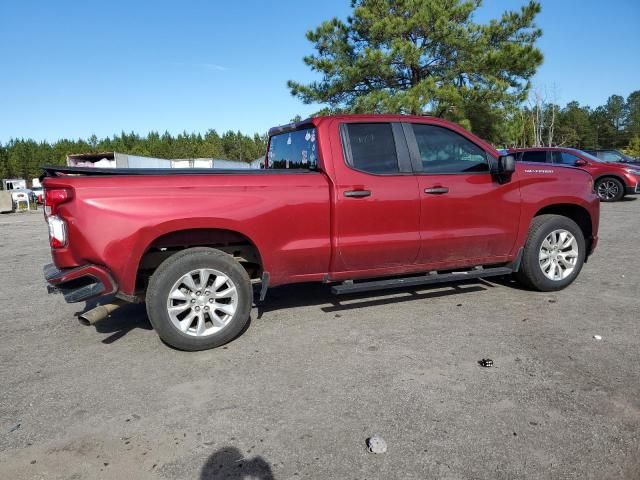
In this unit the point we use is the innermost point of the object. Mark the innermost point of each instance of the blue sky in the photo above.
(74, 68)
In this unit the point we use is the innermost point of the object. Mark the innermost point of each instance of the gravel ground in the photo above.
(314, 376)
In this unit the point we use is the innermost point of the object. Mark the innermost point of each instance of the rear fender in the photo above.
(150, 236)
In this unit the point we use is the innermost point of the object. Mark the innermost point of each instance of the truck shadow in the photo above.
(291, 296)
(228, 463)
(133, 316)
(122, 321)
(509, 282)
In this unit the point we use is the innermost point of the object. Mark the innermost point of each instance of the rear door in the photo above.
(377, 205)
(467, 216)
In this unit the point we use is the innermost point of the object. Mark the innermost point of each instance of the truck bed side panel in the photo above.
(113, 220)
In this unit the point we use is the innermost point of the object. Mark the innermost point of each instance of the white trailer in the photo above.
(13, 183)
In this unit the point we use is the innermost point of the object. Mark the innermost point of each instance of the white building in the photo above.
(124, 160)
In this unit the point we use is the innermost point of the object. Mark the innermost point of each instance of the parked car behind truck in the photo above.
(38, 195)
(363, 202)
(614, 156)
(612, 181)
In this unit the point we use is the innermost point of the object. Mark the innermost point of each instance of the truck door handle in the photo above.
(436, 190)
(357, 193)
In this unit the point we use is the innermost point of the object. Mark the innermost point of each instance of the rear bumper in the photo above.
(81, 283)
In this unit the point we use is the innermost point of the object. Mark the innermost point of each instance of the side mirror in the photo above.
(506, 164)
(581, 163)
(504, 168)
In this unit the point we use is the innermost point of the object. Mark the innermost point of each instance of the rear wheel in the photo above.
(553, 254)
(199, 298)
(609, 189)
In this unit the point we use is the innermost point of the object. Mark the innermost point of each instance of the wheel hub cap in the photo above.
(608, 190)
(558, 255)
(202, 302)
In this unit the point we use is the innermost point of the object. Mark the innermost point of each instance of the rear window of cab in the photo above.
(297, 149)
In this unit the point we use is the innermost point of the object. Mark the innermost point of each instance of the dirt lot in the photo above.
(297, 395)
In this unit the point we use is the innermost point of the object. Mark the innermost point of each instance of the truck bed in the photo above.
(119, 215)
(54, 171)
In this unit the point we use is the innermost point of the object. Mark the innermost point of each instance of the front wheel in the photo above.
(199, 298)
(609, 189)
(553, 254)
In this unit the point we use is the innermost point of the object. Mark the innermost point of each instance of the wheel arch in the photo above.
(610, 175)
(577, 213)
(230, 241)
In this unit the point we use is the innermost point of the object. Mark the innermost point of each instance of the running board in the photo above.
(430, 278)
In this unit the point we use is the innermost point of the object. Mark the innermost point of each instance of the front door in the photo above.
(377, 205)
(467, 216)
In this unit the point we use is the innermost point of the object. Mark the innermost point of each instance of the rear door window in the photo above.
(296, 149)
(372, 148)
(539, 156)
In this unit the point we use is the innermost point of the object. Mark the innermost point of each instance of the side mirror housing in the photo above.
(504, 168)
(506, 164)
(581, 163)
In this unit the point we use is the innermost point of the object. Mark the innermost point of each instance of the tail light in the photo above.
(57, 231)
(54, 197)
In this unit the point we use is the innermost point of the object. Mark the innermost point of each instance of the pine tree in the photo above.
(424, 56)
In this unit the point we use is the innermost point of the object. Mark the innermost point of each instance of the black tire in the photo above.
(174, 268)
(613, 193)
(530, 273)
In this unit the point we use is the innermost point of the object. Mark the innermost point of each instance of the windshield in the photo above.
(589, 156)
(615, 156)
(297, 149)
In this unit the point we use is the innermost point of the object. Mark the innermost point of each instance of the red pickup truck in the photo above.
(363, 202)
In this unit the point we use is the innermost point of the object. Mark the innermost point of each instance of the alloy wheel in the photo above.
(558, 255)
(202, 302)
(608, 190)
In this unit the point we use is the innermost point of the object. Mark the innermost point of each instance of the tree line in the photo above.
(542, 122)
(23, 158)
(538, 122)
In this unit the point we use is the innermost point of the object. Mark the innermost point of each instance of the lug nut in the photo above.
(197, 309)
(207, 292)
(206, 309)
(193, 300)
(211, 300)
(198, 293)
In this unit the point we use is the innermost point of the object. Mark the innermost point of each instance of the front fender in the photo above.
(559, 186)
